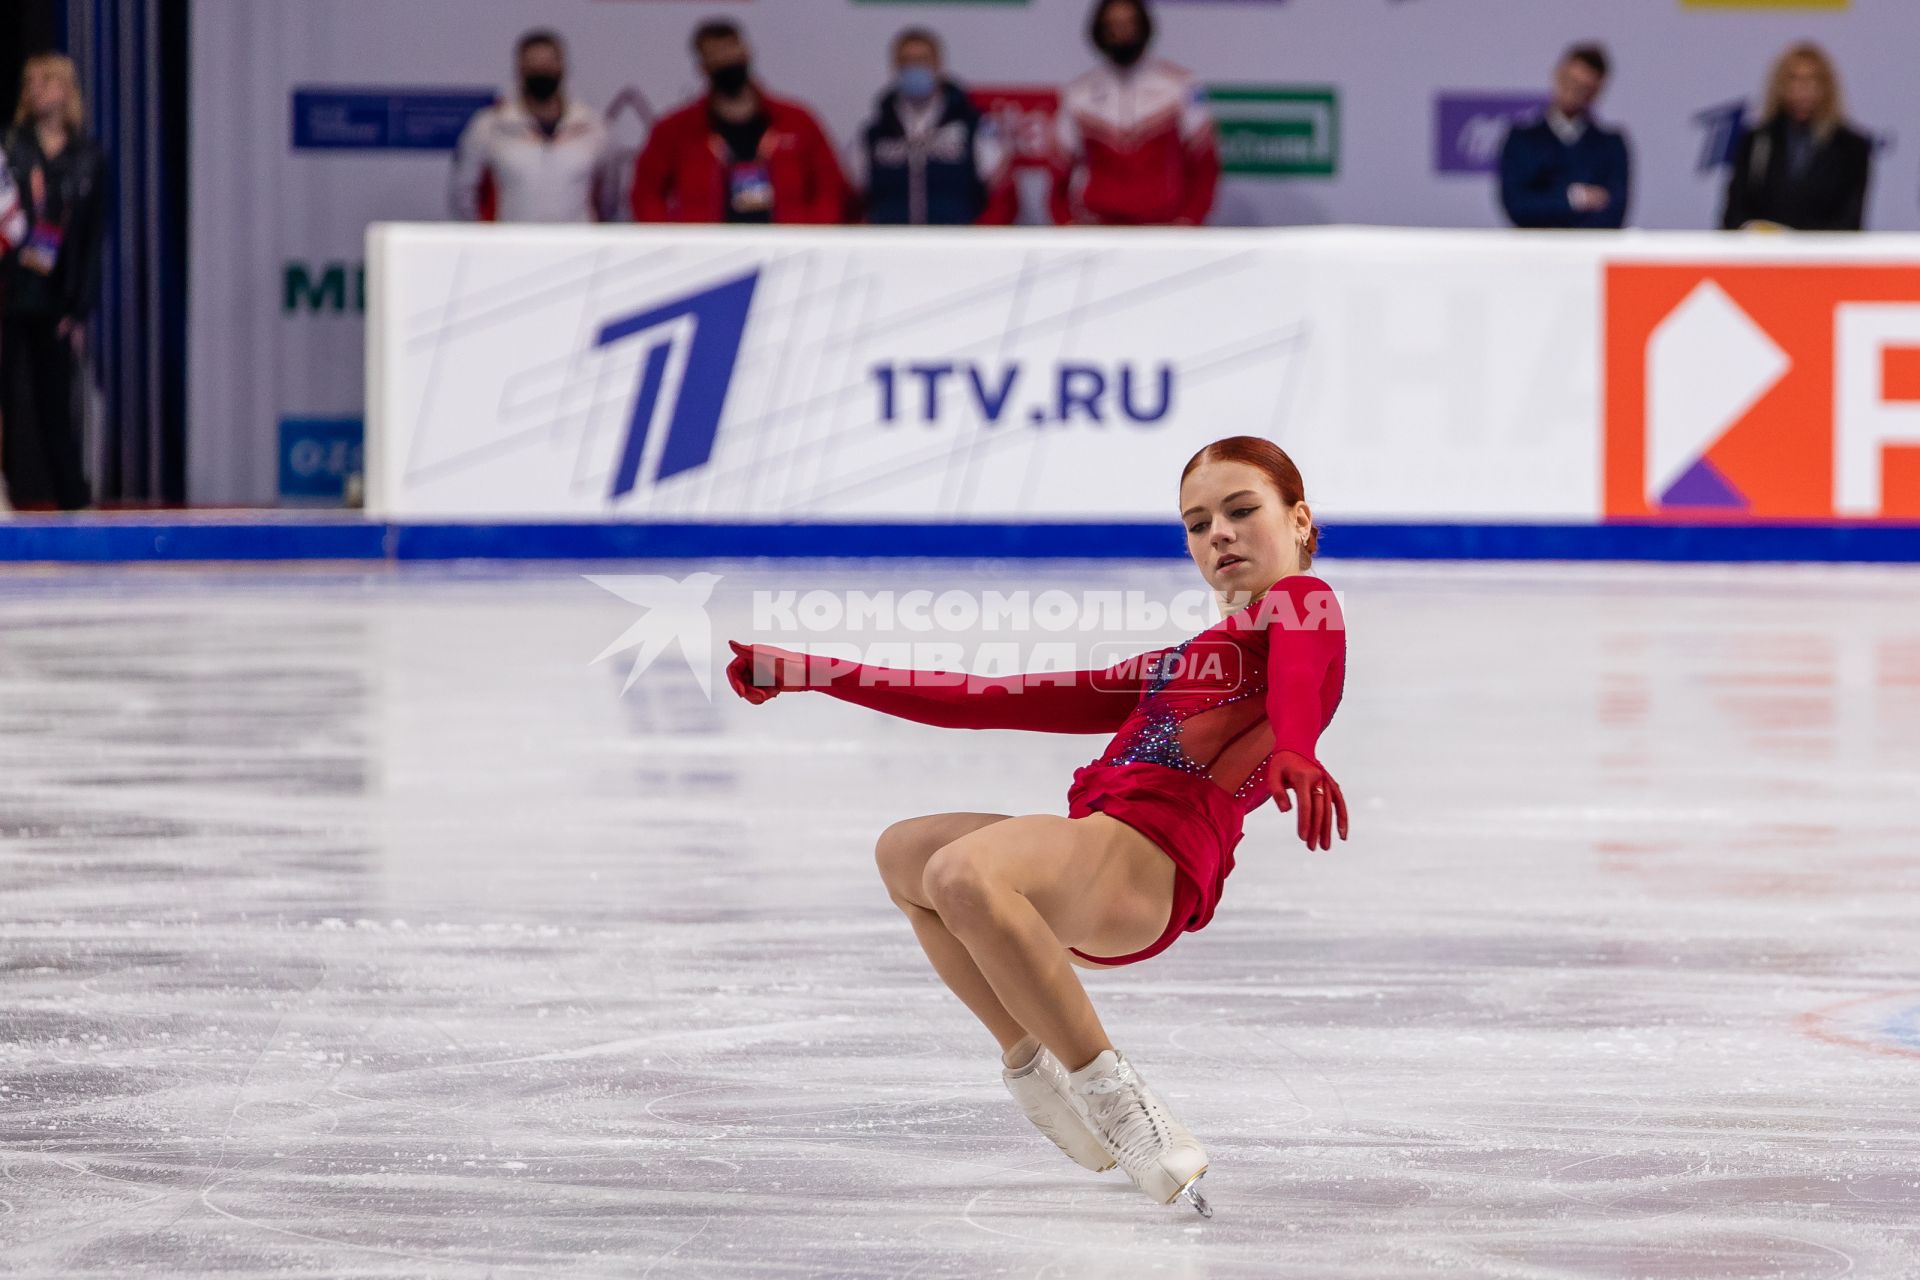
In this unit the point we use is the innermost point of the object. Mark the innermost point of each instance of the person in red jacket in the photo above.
(1204, 732)
(1136, 143)
(737, 154)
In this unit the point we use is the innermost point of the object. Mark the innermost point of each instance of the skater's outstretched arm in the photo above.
(1045, 701)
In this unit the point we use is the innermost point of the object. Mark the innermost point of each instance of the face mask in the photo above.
(1124, 55)
(917, 82)
(540, 87)
(729, 80)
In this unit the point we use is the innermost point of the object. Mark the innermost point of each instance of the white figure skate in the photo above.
(1157, 1151)
(1042, 1091)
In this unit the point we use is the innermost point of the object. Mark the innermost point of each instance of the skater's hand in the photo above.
(762, 671)
(1320, 802)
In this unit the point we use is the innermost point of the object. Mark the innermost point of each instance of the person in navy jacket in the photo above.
(928, 156)
(1565, 170)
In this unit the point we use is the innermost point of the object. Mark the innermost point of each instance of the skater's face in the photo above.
(1240, 532)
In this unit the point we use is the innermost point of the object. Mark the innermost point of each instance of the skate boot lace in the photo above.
(1134, 1127)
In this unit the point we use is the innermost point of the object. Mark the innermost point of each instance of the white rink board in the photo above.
(1085, 369)
(1413, 375)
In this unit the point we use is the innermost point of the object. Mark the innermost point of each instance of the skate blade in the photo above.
(1191, 1194)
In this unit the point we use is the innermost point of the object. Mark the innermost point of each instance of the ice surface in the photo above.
(355, 925)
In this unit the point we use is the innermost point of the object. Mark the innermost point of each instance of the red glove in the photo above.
(761, 671)
(1319, 795)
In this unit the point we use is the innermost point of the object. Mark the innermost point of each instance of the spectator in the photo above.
(51, 290)
(1565, 170)
(928, 156)
(1136, 140)
(536, 156)
(737, 154)
(1801, 166)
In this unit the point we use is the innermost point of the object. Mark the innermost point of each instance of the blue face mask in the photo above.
(918, 82)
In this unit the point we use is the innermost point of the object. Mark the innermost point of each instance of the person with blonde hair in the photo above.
(51, 285)
(1801, 166)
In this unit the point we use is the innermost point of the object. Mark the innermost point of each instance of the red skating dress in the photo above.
(1195, 726)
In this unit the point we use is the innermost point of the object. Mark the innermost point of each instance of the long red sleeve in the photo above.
(1003, 200)
(652, 175)
(1306, 650)
(825, 203)
(1202, 163)
(1045, 701)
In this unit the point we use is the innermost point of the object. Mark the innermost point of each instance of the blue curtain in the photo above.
(132, 56)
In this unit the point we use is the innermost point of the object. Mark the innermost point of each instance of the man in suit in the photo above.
(1565, 169)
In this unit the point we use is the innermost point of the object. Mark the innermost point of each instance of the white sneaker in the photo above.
(1157, 1151)
(1041, 1089)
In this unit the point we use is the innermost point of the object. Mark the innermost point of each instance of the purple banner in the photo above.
(1470, 128)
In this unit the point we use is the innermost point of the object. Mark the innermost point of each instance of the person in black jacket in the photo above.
(51, 287)
(1801, 166)
(1564, 169)
(928, 157)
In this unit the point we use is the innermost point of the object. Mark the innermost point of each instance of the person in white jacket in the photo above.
(537, 155)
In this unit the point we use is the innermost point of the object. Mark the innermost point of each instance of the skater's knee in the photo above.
(958, 885)
(902, 859)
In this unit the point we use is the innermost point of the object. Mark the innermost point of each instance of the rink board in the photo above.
(721, 375)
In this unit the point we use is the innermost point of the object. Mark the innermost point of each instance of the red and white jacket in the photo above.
(13, 219)
(507, 170)
(1135, 147)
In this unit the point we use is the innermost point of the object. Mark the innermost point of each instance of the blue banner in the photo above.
(318, 454)
(379, 119)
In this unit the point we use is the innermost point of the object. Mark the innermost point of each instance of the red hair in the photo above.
(1272, 461)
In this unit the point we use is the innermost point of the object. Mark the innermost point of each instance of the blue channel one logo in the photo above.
(1081, 392)
(719, 318)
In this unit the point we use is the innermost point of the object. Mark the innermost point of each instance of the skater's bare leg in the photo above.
(902, 854)
(963, 977)
(1017, 893)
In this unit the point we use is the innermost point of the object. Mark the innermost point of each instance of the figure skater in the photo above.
(1204, 732)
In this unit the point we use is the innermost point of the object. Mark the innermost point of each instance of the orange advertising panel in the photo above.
(1760, 391)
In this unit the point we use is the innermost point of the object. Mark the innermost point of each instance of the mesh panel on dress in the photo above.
(1205, 721)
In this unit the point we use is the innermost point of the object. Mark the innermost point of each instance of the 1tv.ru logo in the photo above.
(704, 330)
(1777, 392)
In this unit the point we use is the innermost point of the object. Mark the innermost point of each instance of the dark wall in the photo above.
(26, 27)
